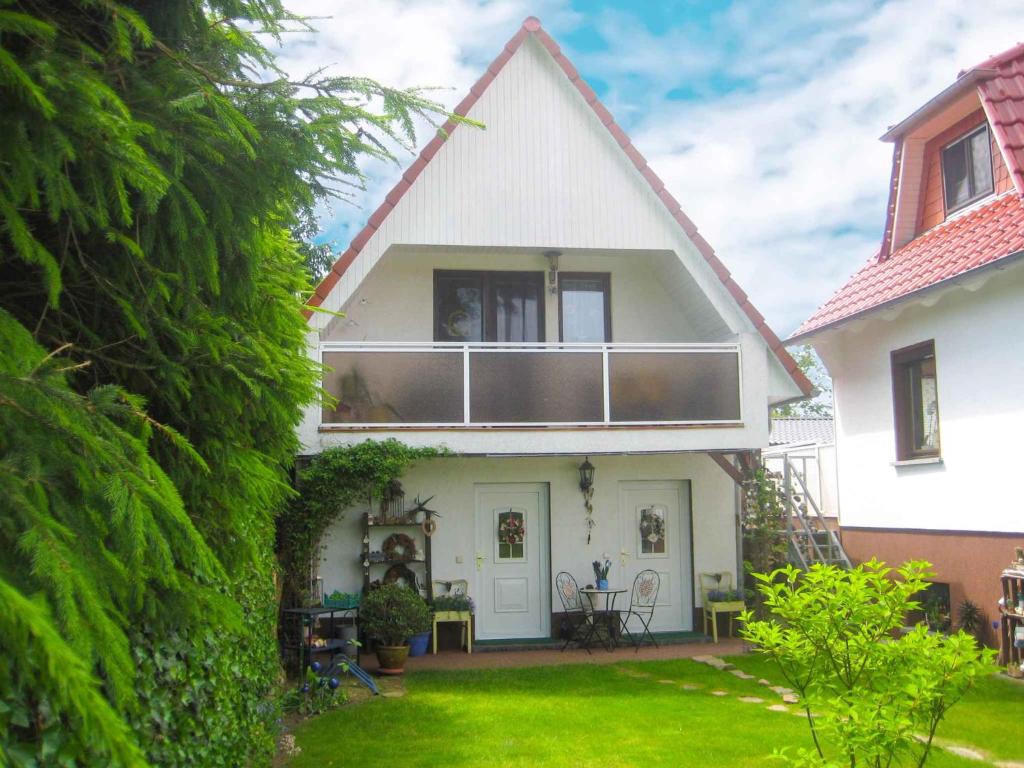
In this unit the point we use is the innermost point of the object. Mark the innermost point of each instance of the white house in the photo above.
(529, 295)
(924, 344)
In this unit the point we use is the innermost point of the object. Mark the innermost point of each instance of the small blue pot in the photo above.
(418, 644)
(602, 583)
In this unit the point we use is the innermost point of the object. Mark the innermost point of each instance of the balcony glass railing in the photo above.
(428, 384)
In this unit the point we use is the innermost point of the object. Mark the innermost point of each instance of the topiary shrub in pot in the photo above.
(391, 614)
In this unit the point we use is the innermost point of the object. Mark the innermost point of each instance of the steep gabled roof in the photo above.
(976, 239)
(532, 27)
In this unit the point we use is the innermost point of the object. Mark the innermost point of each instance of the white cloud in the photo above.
(783, 173)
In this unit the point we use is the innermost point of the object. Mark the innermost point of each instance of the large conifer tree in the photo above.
(152, 365)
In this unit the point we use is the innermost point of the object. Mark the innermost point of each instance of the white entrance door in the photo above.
(512, 595)
(655, 518)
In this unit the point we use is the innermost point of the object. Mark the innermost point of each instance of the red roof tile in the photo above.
(966, 242)
(532, 26)
(1003, 99)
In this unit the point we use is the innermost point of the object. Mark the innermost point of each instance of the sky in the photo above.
(762, 118)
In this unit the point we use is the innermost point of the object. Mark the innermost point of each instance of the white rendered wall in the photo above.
(451, 481)
(979, 352)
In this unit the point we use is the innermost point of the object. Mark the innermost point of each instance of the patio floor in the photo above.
(541, 657)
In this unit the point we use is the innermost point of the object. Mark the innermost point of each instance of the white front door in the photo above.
(655, 518)
(512, 550)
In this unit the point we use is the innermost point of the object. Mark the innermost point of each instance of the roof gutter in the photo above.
(962, 85)
(1002, 262)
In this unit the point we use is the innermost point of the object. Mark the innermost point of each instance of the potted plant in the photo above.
(728, 599)
(391, 614)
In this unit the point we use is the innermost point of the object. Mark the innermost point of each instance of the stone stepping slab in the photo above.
(751, 700)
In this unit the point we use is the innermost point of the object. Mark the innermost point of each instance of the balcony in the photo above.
(433, 385)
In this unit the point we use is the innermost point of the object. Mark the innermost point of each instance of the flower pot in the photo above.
(391, 659)
(602, 583)
(418, 644)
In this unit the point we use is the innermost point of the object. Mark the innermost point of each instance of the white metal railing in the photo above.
(452, 384)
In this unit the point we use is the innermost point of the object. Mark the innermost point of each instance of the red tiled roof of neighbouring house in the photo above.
(1003, 99)
(967, 242)
(532, 26)
(962, 244)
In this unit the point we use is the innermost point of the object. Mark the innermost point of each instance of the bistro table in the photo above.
(308, 619)
(601, 618)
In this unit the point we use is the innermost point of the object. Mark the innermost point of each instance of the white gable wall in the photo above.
(544, 173)
(980, 369)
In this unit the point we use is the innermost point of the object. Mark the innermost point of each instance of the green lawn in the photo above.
(618, 715)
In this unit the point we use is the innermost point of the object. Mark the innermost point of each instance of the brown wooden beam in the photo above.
(730, 469)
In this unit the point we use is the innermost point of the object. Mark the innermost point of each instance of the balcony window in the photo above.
(488, 306)
(967, 169)
(916, 402)
(584, 307)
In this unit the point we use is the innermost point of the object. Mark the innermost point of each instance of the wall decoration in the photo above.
(511, 535)
(652, 520)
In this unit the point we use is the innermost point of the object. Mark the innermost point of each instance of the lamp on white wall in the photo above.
(552, 257)
(587, 489)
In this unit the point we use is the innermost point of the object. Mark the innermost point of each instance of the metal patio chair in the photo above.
(642, 601)
(576, 613)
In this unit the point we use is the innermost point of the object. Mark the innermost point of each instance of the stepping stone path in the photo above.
(779, 689)
(668, 682)
(790, 698)
(751, 700)
(741, 674)
(719, 693)
(691, 687)
(778, 708)
(762, 681)
(713, 661)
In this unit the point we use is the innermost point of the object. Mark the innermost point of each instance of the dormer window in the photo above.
(967, 169)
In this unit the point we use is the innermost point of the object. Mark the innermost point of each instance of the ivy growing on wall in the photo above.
(333, 481)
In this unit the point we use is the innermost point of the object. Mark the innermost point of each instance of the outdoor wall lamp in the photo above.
(587, 489)
(553, 270)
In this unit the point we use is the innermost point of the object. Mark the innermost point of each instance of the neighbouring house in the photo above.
(924, 344)
(530, 295)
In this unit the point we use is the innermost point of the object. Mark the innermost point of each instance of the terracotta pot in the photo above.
(391, 659)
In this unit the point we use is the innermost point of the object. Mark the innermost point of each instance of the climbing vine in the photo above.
(333, 481)
(764, 525)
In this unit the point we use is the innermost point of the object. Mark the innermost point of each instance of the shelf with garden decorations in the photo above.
(1011, 606)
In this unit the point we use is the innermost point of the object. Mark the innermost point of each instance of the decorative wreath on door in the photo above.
(399, 546)
(511, 530)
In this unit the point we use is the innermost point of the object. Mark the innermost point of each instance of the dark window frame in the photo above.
(978, 195)
(606, 284)
(489, 310)
(903, 362)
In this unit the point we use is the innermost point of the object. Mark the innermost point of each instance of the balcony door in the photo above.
(488, 306)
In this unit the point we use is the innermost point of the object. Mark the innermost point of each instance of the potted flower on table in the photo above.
(391, 614)
(601, 572)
